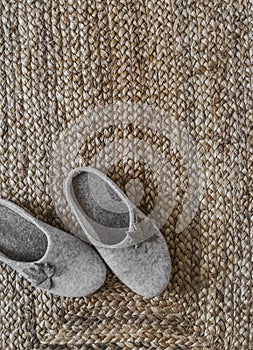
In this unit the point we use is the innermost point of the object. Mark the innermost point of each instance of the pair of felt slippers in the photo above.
(114, 232)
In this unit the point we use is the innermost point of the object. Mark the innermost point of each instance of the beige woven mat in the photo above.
(192, 60)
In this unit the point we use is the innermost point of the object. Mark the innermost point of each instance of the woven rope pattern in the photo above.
(191, 59)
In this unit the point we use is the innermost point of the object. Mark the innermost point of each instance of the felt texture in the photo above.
(104, 213)
(67, 266)
(146, 269)
(20, 239)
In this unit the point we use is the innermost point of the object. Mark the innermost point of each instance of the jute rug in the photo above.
(81, 81)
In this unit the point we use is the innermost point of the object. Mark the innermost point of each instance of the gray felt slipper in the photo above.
(47, 257)
(128, 241)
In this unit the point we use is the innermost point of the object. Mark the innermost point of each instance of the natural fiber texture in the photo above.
(192, 60)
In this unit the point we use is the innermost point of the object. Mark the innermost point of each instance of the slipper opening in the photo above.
(102, 206)
(20, 239)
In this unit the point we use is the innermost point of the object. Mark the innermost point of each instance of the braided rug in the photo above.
(190, 60)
